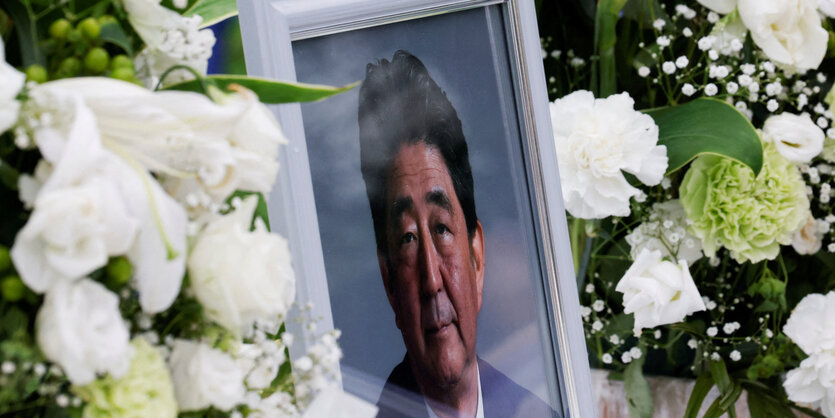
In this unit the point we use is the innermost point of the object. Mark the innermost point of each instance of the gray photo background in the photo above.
(466, 55)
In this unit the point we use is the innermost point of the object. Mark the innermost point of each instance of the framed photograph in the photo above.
(423, 206)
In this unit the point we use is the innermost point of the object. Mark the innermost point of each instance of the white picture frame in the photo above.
(270, 29)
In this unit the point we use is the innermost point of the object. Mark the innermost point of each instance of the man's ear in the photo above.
(382, 261)
(477, 250)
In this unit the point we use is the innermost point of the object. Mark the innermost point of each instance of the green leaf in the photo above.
(725, 403)
(268, 91)
(719, 372)
(27, 32)
(703, 384)
(707, 126)
(605, 23)
(638, 393)
(113, 33)
(212, 11)
(621, 324)
(694, 327)
(260, 209)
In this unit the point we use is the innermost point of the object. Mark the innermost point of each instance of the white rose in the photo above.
(810, 325)
(809, 238)
(598, 139)
(719, 6)
(796, 137)
(813, 383)
(204, 377)
(788, 31)
(80, 328)
(658, 292)
(11, 82)
(827, 7)
(170, 39)
(241, 276)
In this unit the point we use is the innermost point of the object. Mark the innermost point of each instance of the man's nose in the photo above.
(431, 280)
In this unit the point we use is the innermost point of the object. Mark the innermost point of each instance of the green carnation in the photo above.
(145, 391)
(750, 216)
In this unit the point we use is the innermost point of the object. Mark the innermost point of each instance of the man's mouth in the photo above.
(438, 315)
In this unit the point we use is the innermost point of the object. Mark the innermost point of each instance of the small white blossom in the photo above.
(597, 325)
(706, 42)
(607, 358)
(668, 67)
(589, 288)
(598, 305)
(626, 358)
(822, 122)
(62, 400)
(692, 343)
(713, 55)
(585, 311)
(643, 71)
(711, 89)
(715, 356)
(682, 61)
(657, 334)
(8, 367)
(744, 79)
(772, 105)
(712, 331)
(687, 32)
(663, 41)
(773, 89)
(731, 87)
(687, 89)
(635, 352)
(614, 339)
(659, 24)
(735, 355)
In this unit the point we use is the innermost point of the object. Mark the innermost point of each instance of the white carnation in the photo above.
(810, 325)
(813, 383)
(788, 31)
(658, 292)
(796, 137)
(827, 7)
(241, 276)
(204, 377)
(598, 139)
(80, 328)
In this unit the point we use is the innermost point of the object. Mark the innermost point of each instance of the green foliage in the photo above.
(638, 393)
(268, 91)
(707, 126)
(703, 384)
(213, 11)
(603, 74)
(772, 290)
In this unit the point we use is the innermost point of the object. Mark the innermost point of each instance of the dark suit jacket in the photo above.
(502, 397)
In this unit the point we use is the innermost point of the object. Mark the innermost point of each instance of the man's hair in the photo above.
(400, 104)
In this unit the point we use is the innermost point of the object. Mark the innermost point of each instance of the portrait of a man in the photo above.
(430, 247)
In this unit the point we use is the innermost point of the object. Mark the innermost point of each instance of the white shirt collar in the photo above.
(479, 413)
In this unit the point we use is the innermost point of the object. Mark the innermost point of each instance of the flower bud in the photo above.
(60, 29)
(121, 61)
(119, 271)
(96, 60)
(69, 67)
(89, 28)
(123, 73)
(12, 288)
(36, 73)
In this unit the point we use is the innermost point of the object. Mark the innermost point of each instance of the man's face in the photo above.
(435, 272)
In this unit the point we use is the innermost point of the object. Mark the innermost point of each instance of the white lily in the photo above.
(11, 82)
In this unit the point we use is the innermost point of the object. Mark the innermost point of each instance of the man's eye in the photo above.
(441, 229)
(407, 238)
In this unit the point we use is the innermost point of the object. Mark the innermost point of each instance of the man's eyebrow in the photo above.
(400, 205)
(438, 197)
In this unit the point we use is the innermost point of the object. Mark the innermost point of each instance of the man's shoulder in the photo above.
(505, 398)
(502, 396)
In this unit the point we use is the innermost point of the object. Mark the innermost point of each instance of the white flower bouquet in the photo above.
(695, 147)
(138, 274)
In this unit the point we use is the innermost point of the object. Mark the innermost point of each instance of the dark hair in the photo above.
(400, 104)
